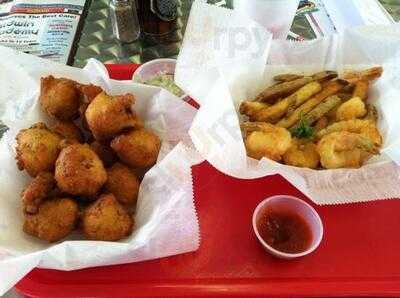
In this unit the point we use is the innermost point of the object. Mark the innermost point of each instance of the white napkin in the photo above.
(166, 221)
(220, 70)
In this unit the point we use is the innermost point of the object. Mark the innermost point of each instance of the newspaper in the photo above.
(43, 28)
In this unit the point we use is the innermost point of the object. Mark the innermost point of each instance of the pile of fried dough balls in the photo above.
(86, 166)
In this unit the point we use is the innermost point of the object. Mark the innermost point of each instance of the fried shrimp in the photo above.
(365, 128)
(79, 171)
(138, 148)
(106, 220)
(68, 130)
(59, 98)
(55, 219)
(352, 109)
(250, 108)
(108, 115)
(266, 140)
(302, 153)
(344, 149)
(37, 149)
(37, 191)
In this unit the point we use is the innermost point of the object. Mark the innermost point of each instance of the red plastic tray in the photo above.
(359, 255)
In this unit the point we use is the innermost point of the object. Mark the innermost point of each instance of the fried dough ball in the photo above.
(122, 183)
(89, 91)
(54, 220)
(106, 220)
(138, 148)
(37, 149)
(59, 98)
(108, 115)
(79, 171)
(37, 191)
(302, 153)
(104, 152)
(68, 130)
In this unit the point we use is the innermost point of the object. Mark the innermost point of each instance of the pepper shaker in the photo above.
(124, 19)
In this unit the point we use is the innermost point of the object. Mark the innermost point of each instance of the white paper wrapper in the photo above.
(166, 221)
(220, 72)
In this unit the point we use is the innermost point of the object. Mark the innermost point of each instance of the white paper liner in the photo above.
(216, 132)
(166, 221)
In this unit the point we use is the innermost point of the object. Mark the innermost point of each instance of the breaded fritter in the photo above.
(59, 98)
(54, 220)
(106, 220)
(104, 152)
(37, 149)
(79, 171)
(138, 148)
(37, 191)
(89, 92)
(123, 184)
(68, 130)
(108, 115)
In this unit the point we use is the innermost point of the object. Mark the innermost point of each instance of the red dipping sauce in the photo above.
(284, 231)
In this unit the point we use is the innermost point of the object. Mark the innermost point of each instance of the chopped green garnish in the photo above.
(303, 130)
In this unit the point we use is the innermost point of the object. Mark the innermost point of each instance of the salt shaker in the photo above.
(124, 18)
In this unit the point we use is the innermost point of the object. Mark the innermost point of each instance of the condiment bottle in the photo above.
(124, 18)
(158, 19)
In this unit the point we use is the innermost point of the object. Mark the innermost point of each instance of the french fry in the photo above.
(345, 96)
(275, 112)
(332, 88)
(250, 108)
(348, 89)
(301, 100)
(361, 89)
(368, 74)
(287, 77)
(321, 123)
(280, 90)
(325, 75)
(320, 110)
(331, 115)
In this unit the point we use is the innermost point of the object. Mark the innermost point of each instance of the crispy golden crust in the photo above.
(79, 171)
(89, 91)
(138, 148)
(59, 98)
(68, 130)
(123, 184)
(54, 220)
(302, 153)
(37, 191)
(37, 149)
(108, 116)
(105, 153)
(106, 220)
